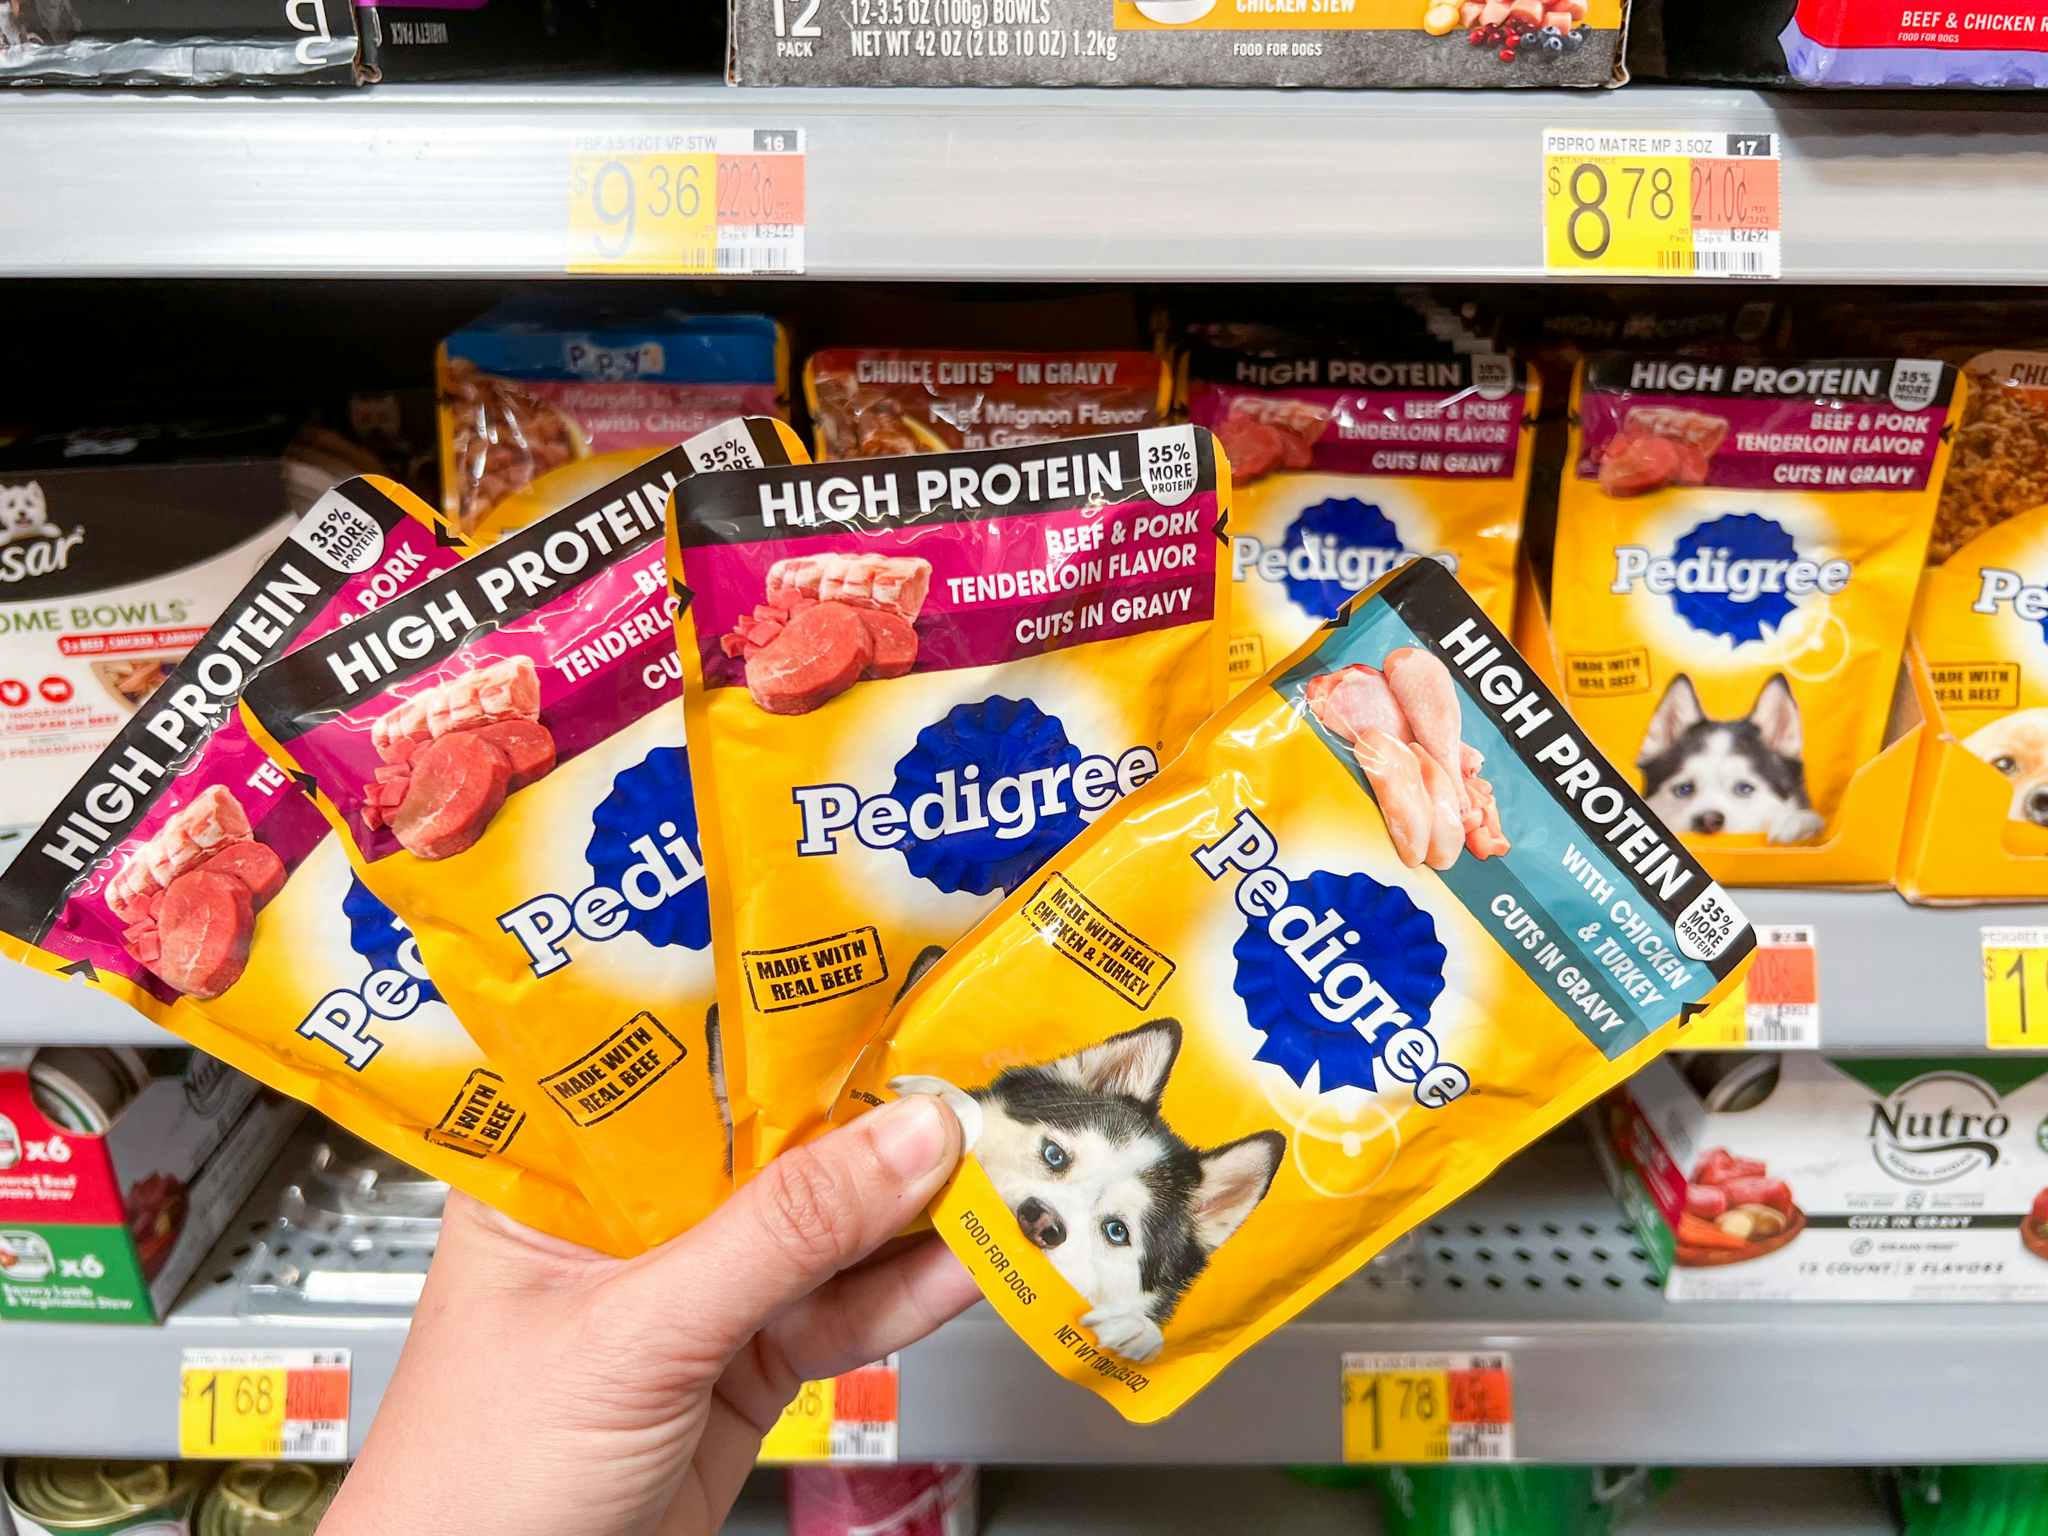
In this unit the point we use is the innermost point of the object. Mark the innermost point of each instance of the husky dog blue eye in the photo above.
(1053, 1154)
(1683, 790)
(1118, 1234)
(1744, 789)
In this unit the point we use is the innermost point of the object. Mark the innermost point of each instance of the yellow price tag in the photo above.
(1649, 204)
(1423, 1408)
(850, 1418)
(263, 1405)
(2016, 989)
(643, 213)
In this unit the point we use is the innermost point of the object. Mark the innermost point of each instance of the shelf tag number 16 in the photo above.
(643, 213)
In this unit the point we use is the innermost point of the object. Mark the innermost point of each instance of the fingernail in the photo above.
(910, 1135)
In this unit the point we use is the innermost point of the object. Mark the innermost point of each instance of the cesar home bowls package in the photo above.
(1738, 544)
(501, 750)
(1806, 1178)
(186, 875)
(1387, 919)
(910, 681)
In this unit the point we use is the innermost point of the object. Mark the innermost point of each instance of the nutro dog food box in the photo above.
(1483, 44)
(1805, 1178)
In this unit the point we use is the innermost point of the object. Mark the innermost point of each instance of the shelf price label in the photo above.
(722, 202)
(851, 1418)
(1421, 1408)
(2015, 989)
(1657, 204)
(1777, 1006)
(263, 1404)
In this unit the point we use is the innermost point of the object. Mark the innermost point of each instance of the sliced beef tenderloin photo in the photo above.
(457, 785)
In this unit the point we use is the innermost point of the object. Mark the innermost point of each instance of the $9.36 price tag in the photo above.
(1419, 1408)
(2016, 989)
(849, 1418)
(263, 1404)
(1651, 204)
(726, 202)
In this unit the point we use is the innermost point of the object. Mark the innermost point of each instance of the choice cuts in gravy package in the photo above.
(910, 681)
(1388, 918)
(502, 752)
(1738, 544)
(1346, 462)
(188, 876)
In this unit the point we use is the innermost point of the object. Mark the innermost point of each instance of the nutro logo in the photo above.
(1737, 575)
(1939, 1127)
(30, 544)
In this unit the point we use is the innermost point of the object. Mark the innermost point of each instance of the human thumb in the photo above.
(813, 1211)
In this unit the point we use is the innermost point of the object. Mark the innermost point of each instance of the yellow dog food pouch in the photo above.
(187, 876)
(1389, 918)
(501, 750)
(1738, 544)
(910, 680)
(1348, 460)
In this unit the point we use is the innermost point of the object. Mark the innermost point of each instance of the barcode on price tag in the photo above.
(1661, 204)
(263, 1404)
(727, 202)
(1777, 1007)
(1421, 1408)
(851, 1418)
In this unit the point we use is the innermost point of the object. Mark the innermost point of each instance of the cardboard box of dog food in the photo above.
(119, 1169)
(1441, 43)
(1807, 1178)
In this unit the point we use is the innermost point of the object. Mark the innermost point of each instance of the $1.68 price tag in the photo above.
(1418, 1408)
(263, 1404)
(1661, 204)
(726, 202)
(2016, 989)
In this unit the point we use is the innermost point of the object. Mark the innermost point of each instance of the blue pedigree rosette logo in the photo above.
(1722, 606)
(1346, 544)
(376, 933)
(633, 833)
(983, 764)
(1333, 978)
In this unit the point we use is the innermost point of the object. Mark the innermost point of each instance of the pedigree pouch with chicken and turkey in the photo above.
(501, 750)
(190, 878)
(1388, 918)
(1738, 545)
(911, 680)
(1348, 462)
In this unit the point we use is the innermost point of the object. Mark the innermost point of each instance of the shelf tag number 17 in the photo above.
(2015, 989)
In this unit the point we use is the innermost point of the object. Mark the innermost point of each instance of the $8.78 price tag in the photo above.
(263, 1404)
(1419, 1408)
(849, 1418)
(727, 201)
(1650, 204)
(2016, 989)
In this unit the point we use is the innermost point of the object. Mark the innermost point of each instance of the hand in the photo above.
(546, 1388)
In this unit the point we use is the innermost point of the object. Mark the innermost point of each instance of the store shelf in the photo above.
(964, 185)
(1537, 1264)
(1894, 979)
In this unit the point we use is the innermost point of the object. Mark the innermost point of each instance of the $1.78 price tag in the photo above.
(1650, 204)
(724, 202)
(1419, 1408)
(263, 1404)
(849, 1418)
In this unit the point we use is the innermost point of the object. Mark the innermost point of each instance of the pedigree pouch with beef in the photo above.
(1348, 463)
(502, 752)
(869, 402)
(187, 876)
(1388, 919)
(1738, 544)
(912, 680)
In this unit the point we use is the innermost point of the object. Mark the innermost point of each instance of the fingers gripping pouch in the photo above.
(1346, 465)
(1389, 918)
(912, 680)
(1738, 546)
(189, 877)
(502, 752)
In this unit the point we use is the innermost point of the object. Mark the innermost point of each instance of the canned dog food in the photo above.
(268, 1498)
(83, 1089)
(143, 1498)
